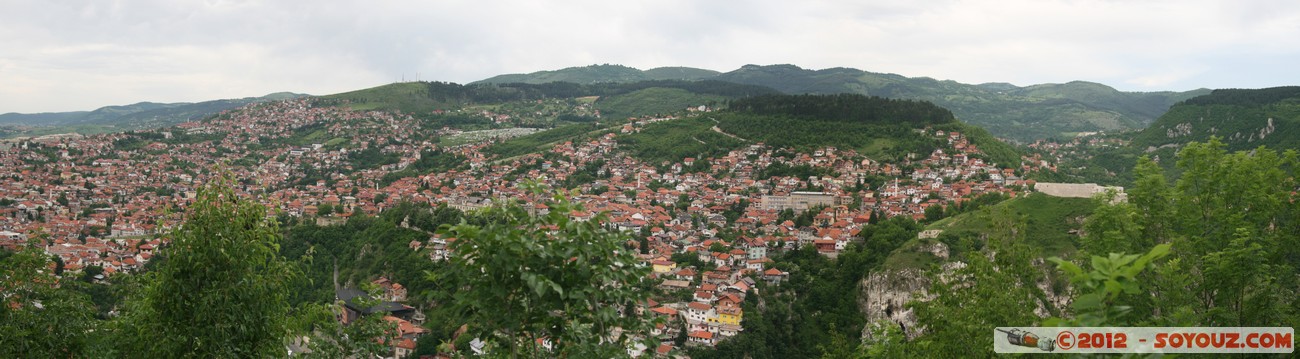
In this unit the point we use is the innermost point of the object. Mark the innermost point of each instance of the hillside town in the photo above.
(103, 200)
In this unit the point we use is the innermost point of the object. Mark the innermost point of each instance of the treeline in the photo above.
(802, 171)
(883, 141)
(494, 93)
(781, 122)
(1245, 97)
(846, 108)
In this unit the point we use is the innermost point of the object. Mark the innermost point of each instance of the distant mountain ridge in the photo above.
(1021, 113)
(138, 115)
(603, 73)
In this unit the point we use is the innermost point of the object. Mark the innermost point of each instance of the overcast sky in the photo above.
(80, 55)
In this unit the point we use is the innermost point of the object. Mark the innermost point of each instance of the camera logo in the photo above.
(1024, 338)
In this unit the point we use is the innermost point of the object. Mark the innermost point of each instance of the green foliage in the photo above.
(652, 101)
(38, 319)
(885, 141)
(1103, 288)
(847, 108)
(222, 290)
(606, 73)
(1232, 216)
(409, 97)
(782, 169)
(1245, 97)
(994, 150)
(1230, 219)
(579, 75)
(423, 97)
(886, 340)
(1050, 221)
(365, 337)
(815, 312)
(984, 294)
(365, 248)
(880, 128)
(1113, 229)
(372, 157)
(324, 210)
(523, 278)
(995, 288)
(672, 141)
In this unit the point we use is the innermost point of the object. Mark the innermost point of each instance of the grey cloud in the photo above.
(73, 55)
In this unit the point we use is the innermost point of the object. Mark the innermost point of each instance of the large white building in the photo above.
(798, 201)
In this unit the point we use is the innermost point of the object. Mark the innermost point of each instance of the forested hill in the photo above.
(882, 129)
(1243, 119)
(846, 107)
(1006, 110)
(603, 73)
(1021, 113)
(614, 98)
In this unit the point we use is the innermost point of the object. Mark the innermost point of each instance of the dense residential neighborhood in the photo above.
(102, 200)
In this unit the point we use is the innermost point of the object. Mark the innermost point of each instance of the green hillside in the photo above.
(1021, 113)
(1243, 119)
(679, 73)
(654, 100)
(402, 96)
(1006, 110)
(880, 128)
(672, 141)
(618, 99)
(602, 74)
(1048, 225)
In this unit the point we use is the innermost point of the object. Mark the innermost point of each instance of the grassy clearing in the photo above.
(1048, 223)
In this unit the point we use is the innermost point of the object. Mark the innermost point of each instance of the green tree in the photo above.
(1113, 229)
(524, 278)
(986, 293)
(1105, 289)
(718, 247)
(1230, 219)
(220, 290)
(365, 337)
(996, 287)
(1150, 196)
(933, 213)
(38, 319)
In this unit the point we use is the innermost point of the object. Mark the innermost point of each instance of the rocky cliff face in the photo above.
(884, 294)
